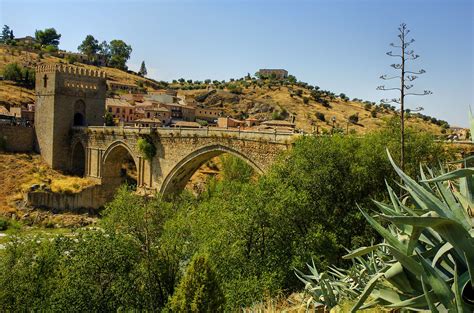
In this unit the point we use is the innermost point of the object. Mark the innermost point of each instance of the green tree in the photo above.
(104, 51)
(89, 46)
(199, 290)
(13, 72)
(119, 54)
(109, 119)
(142, 71)
(7, 34)
(48, 37)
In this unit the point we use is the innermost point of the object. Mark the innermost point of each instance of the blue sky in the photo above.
(338, 45)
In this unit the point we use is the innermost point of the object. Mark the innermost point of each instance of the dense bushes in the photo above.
(254, 232)
(19, 74)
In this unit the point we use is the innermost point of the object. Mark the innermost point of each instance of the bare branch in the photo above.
(425, 93)
(394, 100)
(396, 66)
(394, 45)
(384, 77)
(408, 86)
(411, 77)
(390, 53)
(416, 73)
(384, 88)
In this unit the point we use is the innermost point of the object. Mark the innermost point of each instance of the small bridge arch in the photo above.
(178, 177)
(118, 154)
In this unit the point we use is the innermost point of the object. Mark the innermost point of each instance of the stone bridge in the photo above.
(99, 152)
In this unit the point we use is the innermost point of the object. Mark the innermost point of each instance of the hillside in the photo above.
(245, 97)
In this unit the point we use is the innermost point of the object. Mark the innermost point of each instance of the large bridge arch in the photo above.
(115, 156)
(178, 177)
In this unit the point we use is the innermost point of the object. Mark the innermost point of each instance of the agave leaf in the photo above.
(407, 261)
(459, 173)
(444, 249)
(367, 291)
(418, 302)
(393, 197)
(414, 237)
(361, 251)
(470, 267)
(457, 291)
(449, 229)
(398, 278)
(438, 285)
(428, 296)
(465, 160)
(392, 240)
(422, 196)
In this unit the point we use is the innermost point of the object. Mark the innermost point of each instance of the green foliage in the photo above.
(199, 290)
(19, 74)
(12, 71)
(71, 59)
(320, 116)
(89, 46)
(236, 169)
(354, 118)
(48, 37)
(234, 88)
(3, 222)
(7, 35)
(109, 119)
(142, 71)
(426, 258)
(147, 148)
(50, 48)
(119, 54)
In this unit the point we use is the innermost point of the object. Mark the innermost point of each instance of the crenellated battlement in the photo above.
(69, 69)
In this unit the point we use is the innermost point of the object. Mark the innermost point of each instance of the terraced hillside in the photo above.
(240, 98)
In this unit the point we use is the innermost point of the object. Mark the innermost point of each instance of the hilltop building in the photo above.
(276, 73)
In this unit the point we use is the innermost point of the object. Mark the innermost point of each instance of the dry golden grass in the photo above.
(305, 114)
(18, 172)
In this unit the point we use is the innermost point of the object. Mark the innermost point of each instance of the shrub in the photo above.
(199, 290)
(373, 113)
(13, 72)
(51, 48)
(320, 116)
(354, 118)
(3, 224)
(146, 148)
(305, 100)
(234, 88)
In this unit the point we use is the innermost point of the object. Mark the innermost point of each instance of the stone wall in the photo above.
(17, 138)
(88, 199)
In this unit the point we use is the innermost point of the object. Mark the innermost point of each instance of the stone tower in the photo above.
(66, 96)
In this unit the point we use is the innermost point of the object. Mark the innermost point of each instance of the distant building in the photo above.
(121, 110)
(208, 114)
(228, 122)
(148, 122)
(278, 125)
(185, 124)
(25, 114)
(115, 86)
(28, 40)
(276, 73)
(153, 110)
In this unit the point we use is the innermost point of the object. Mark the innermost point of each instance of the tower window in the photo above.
(45, 81)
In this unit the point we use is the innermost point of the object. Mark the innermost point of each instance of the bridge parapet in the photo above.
(272, 136)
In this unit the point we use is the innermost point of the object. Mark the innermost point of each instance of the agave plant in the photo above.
(427, 256)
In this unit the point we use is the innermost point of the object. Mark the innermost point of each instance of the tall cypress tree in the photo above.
(142, 71)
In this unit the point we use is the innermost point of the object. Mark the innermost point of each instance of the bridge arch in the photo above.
(78, 158)
(178, 177)
(118, 161)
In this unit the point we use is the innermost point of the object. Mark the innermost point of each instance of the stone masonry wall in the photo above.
(17, 138)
